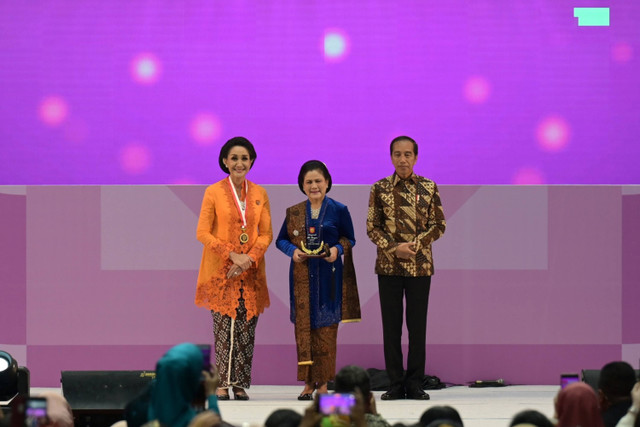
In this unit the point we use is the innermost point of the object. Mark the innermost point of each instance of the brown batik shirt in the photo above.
(404, 210)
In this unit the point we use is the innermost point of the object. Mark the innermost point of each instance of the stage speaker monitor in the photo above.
(592, 377)
(98, 398)
(103, 389)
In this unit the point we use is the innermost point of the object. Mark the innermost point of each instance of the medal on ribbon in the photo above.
(244, 237)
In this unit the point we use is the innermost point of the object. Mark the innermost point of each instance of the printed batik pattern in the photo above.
(234, 342)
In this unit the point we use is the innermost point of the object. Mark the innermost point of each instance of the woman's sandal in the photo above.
(223, 396)
(240, 394)
(307, 396)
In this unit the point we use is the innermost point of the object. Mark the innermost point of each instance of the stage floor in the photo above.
(479, 407)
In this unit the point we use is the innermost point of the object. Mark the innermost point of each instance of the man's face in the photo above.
(403, 158)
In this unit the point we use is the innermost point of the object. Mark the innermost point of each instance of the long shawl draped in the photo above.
(350, 299)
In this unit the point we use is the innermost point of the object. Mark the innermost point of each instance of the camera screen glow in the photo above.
(36, 412)
(339, 404)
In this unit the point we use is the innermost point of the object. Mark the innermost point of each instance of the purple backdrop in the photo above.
(496, 91)
(531, 281)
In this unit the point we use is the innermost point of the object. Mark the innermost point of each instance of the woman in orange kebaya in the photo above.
(235, 229)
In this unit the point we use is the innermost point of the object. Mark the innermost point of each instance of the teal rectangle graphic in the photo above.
(592, 16)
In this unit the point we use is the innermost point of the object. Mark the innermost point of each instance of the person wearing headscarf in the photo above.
(179, 374)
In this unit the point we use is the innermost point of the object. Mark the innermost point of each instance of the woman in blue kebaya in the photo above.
(317, 234)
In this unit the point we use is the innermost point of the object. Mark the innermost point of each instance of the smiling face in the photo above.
(238, 162)
(314, 185)
(403, 158)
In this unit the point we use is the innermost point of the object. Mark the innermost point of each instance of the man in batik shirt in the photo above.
(405, 216)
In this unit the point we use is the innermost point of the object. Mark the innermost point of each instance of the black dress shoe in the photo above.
(305, 396)
(418, 395)
(393, 394)
(223, 396)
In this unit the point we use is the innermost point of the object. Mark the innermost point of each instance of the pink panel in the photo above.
(548, 320)
(72, 301)
(46, 362)
(631, 269)
(13, 269)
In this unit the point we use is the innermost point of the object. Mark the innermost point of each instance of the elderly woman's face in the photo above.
(315, 185)
(238, 162)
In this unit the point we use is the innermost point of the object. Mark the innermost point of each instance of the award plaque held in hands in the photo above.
(322, 251)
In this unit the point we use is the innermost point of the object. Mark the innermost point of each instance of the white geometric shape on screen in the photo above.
(147, 228)
(631, 353)
(16, 190)
(498, 228)
(18, 352)
(630, 190)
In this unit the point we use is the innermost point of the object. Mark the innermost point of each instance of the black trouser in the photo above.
(392, 291)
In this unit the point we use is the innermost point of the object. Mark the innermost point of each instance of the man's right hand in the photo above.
(406, 250)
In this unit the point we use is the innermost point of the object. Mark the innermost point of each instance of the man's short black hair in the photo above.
(440, 413)
(351, 377)
(530, 416)
(404, 138)
(283, 418)
(617, 379)
(236, 141)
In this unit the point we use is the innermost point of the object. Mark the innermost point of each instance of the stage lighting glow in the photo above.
(528, 176)
(553, 133)
(477, 89)
(335, 45)
(135, 159)
(622, 52)
(8, 376)
(205, 128)
(53, 110)
(145, 68)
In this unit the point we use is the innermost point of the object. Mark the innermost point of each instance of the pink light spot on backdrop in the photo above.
(477, 89)
(205, 128)
(528, 176)
(53, 110)
(622, 52)
(335, 45)
(145, 68)
(135, 159)
(553, 133)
